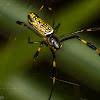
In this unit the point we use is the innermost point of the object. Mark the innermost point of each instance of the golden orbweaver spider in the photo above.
(50, 39)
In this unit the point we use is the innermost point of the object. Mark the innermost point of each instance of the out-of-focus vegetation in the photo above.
(75, 61)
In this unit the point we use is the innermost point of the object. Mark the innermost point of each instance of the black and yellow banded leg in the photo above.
(54, 72)
(80, 31)
(22, 23)
(36, 54)
(49, 8)
(93, 29)
(85, 42)
(88, 44)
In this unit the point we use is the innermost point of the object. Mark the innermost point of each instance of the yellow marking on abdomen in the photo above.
(37, 23)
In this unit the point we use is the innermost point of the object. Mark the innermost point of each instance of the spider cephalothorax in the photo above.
(54, 42)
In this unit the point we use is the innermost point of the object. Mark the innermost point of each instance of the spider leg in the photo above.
(49, 8)
(37, 53)
(56, 28)
(54, 72)
(85, 42)
(22, 23)
(80, 31)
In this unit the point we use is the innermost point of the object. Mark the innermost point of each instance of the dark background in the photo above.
(76, 62)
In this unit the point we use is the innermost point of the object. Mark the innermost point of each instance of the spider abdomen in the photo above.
(37, 23)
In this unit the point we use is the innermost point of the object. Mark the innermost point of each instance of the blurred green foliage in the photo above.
(75, 61)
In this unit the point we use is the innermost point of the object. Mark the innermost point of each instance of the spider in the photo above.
(48, 33)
